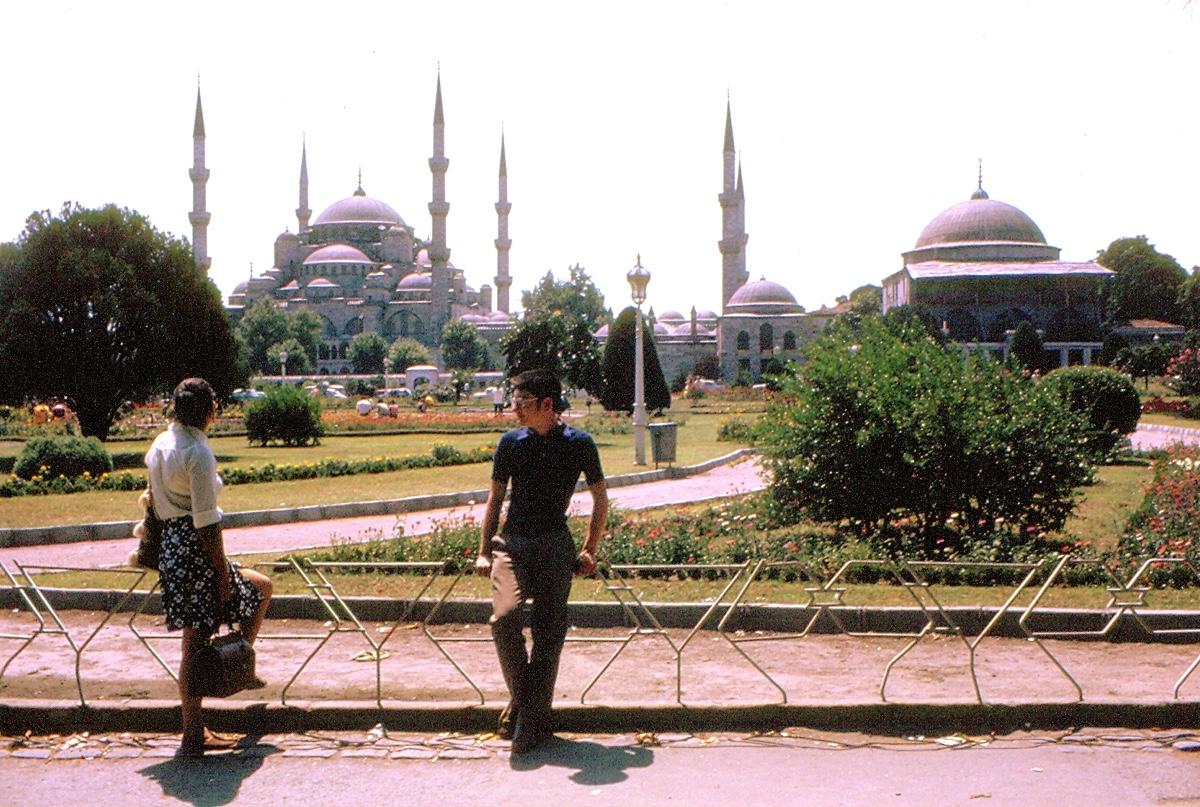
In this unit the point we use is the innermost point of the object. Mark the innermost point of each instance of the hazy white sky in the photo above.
(857, 122)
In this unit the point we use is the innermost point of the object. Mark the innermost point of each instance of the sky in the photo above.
(856, 124)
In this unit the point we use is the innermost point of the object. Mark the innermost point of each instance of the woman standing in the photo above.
(201, 589)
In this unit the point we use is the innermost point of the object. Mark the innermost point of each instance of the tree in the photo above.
(406, 352)
(1026, 347)
(463, 347)
(461, 379)
(1189, 300)
(287, 415)
(708, 366)
(99, 308)
(619, 356)
(298, 362)
(887, 430)
(263, 325)
(1145, 361)
(866, 300)
(1147, 283)
(1106, 400)
(576, 298)
(1114, 343)
(556, 343)
(367, 352)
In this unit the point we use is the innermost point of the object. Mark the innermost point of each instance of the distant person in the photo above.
(364, 406)
(497, 396)
(201, 589)
(534, 555)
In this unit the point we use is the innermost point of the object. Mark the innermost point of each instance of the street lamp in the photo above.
(387, 368)
(282, 368)
(638, 279)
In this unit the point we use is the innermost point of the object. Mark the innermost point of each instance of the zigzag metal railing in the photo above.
(825, 598)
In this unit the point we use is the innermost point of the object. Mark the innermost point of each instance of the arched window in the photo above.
(789, 340)
(323, 352)
(743, 340)
(766, 336)
(353, 327)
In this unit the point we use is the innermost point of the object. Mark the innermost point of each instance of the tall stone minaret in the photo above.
(302, 212)
(730, 245)
(439, 253)
(503, 243)
(199, 217)
(742, 237)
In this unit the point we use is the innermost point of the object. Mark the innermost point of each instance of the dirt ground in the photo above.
(816, 670)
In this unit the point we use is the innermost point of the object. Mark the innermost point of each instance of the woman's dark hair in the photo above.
(193, 402)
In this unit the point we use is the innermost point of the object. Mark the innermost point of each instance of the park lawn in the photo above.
(697, 442)
(1105, 506)
(1169, 419)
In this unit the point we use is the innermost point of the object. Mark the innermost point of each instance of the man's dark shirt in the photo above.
(543, 470)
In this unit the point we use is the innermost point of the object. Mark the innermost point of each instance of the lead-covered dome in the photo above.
(337, 253)
(359, 209)
(762, 297)
(981, 229)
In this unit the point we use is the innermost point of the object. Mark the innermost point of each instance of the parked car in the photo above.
(394, 392)
(247, 394)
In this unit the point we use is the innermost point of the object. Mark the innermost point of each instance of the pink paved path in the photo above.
(725, 480)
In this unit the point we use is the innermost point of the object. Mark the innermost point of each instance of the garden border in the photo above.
(112, 530)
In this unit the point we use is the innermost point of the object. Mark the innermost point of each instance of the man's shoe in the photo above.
(506, 725)
(528, 737)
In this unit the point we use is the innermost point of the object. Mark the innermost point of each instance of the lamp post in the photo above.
(387, 368)
(638, 279)
(282, 368)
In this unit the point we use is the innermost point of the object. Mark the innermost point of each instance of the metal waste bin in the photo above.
(662, 442)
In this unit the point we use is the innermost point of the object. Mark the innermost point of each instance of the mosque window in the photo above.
(743, 340)
(766, 336)
(789, 340)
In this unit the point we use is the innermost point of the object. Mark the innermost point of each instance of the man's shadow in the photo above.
(215, 778)
(595, 764)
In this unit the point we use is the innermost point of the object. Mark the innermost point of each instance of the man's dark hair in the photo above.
(193, 402)
(540, 384)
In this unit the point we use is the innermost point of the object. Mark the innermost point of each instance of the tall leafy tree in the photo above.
(99, 308)
(1027, 348)
(1189, 300)
(406, 352)
(575, 298)
(556, 343)
(866, 300)
(619, 354)
(263, 325)
(1147, 282)
(298, 362)
(367, 352)
(463, 347)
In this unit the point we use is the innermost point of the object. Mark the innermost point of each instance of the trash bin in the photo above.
(662, 442)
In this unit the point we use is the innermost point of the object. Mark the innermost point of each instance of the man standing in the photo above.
(534, 555)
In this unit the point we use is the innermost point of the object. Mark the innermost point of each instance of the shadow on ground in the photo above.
(214, 779)
(594, 764)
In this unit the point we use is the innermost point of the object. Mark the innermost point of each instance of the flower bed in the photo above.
(342, 421)
(441, 454)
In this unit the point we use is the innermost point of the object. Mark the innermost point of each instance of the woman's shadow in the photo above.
(594, 764)
(211, 780)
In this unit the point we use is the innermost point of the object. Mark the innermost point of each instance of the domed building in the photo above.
(982, 267)
(360, 268)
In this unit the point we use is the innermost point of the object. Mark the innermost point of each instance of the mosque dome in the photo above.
(241, 287)
(763, 297)
(661, 330)
(601, 332)
(498, 316)
(359, 209)
(415, 282)
(670, 316)
(287, 235)
(337, 253)
(706, 315)
(472, 318)
(321, 283)
(981, 229)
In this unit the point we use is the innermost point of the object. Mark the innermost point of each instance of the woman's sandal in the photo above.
(193, 746)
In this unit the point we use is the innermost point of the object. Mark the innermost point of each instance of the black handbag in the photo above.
(223, 667)
(149, 534)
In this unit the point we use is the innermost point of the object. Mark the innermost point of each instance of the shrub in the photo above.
(1184, 371)
(735, 430)
(881, 425)
(1167, 522)
(287, 415)
(51, 457)
(1106, 399)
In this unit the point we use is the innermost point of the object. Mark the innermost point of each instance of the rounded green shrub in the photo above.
(1106, 399)
(287, 415)
(52, 457)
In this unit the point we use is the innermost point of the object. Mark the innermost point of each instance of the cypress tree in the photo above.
(619, 366)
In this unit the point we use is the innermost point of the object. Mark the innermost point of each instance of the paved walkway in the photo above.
(722, 481)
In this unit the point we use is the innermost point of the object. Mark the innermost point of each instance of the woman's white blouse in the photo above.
(183, 476)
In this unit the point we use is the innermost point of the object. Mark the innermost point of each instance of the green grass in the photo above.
(1170, 419)
(1105, 506)
(697, 441)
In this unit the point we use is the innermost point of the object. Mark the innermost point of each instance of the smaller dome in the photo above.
(337, 253)
(319, 283)
(760, 292)
(241, 287)
(661, 330)
(706, 315)
(686, 329)
(415, 281)
(601, 332)
(291, 286)
(670, 316)
(498, 316)
(472, 318)
(422, 258)
(286, 235)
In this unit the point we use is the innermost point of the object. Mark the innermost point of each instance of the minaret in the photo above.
(742, 237)
(503, 243)
(199, 217)
(439, 253)
(302, 212)
(730, 245)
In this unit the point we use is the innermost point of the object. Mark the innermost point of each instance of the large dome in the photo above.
(359, 209)
(337, 253)
(980, 220)
(762, 297)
